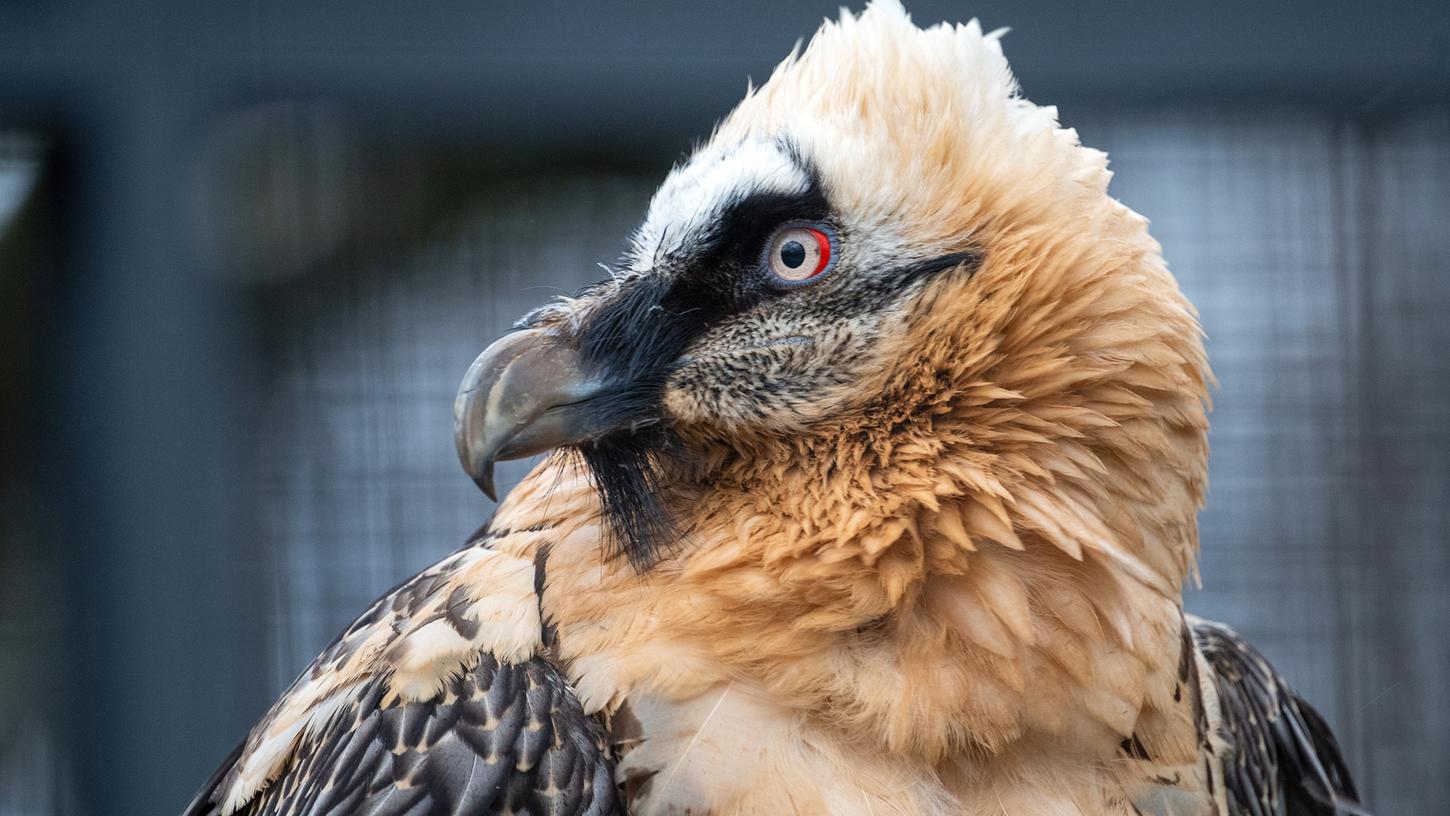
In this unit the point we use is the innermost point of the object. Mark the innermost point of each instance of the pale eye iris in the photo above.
(797, 254)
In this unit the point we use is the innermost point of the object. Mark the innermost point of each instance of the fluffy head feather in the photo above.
(997, 328)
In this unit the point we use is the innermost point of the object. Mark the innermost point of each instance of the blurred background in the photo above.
(247, 251)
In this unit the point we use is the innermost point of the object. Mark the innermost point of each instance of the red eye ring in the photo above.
(798, 254)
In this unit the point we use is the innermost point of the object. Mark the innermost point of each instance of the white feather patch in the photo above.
(254, 770)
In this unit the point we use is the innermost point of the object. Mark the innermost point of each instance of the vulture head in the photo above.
(888, 303)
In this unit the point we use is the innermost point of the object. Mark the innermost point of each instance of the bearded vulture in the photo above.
(872, 489)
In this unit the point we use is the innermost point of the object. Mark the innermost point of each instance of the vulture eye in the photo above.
(798, 254)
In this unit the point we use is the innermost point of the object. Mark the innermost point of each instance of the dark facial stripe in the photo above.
(636, 337)
(907, 276)
(874, 292)
(749, 221)
(633, 339)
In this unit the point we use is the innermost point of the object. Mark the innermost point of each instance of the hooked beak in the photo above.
(525, 394)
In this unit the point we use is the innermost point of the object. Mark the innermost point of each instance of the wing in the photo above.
(1281, 759)
(436, 701)
(500, 738)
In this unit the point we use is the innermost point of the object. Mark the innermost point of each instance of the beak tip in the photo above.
(484, 480)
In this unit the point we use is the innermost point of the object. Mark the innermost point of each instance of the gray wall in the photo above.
(1315, 250)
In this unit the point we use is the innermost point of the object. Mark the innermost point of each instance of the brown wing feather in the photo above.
(501, 738)
(1283, 760)
(437, 701)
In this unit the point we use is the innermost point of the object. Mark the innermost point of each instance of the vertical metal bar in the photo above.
(153, 384)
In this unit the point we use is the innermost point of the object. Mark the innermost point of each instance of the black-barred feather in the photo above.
(1282, 758)
(499, 738)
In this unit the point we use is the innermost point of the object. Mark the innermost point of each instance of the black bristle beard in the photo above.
(634, 475)
(635, 339)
